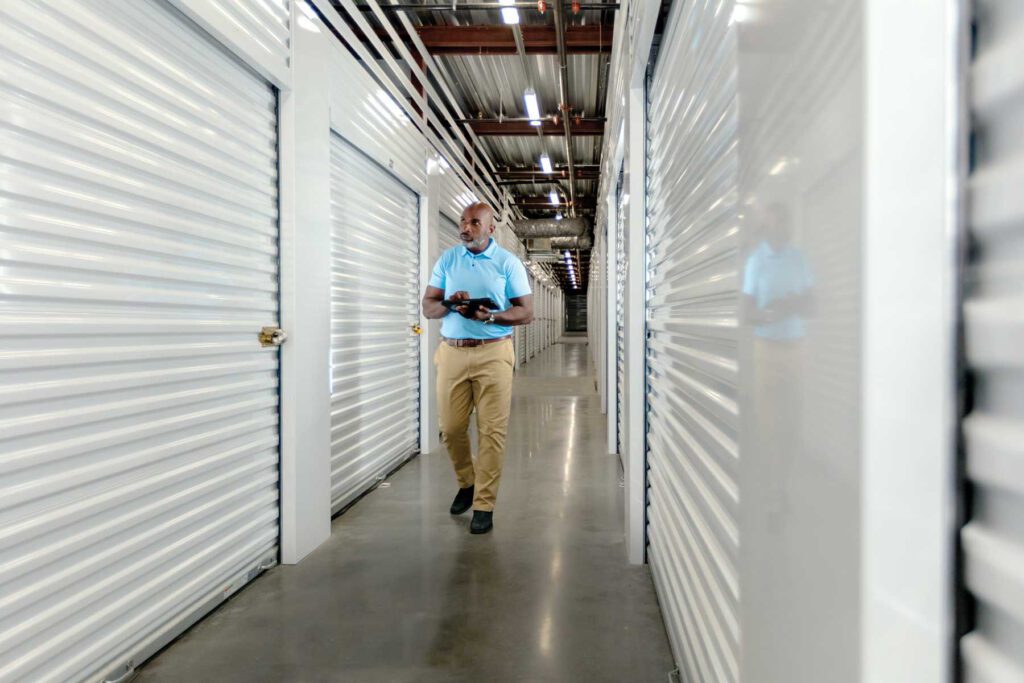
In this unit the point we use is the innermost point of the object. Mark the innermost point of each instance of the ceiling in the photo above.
(488, 71)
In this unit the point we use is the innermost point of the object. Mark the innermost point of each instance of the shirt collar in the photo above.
(486, 253)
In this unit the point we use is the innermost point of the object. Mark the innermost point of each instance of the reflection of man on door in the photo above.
(777, 298)
(476, 356)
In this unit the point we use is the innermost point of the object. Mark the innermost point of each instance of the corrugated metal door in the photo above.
(448, 234)
(620, 312)
(993, 539)
(374, 306)
(138, 412)
(265, 21)
(531, 329)
(520, 341)
(692, 348)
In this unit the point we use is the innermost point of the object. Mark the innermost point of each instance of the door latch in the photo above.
(272, 336)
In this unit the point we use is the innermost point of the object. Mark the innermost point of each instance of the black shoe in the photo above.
(463, 501)
(481, 523)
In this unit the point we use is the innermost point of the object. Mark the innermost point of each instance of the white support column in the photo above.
(635, 399)
(305, 171)
(430, 225)
(912, 64)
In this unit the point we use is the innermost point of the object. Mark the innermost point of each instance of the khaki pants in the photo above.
(479, 376)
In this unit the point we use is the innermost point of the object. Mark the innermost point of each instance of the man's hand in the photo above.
(462, 310)
(482, 313)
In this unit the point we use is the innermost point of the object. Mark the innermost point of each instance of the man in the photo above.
(476, 357)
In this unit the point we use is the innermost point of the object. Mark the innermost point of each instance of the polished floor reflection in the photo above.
(402, 592)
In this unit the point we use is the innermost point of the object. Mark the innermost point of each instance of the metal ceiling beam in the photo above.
(543, 179)
(558, 168)
(501, 40)
(531, 175)
(565, 106)
(544, 202)
(470, 6)
(522, 127)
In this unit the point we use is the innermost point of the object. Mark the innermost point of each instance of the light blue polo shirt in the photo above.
(496, 273)
(771, 275)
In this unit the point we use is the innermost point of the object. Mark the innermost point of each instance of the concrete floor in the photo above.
(403, 593)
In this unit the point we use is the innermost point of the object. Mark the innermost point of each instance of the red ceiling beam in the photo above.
(559, 170)
(500, 40)
(523, 175)
(484, 127)
(544, 202)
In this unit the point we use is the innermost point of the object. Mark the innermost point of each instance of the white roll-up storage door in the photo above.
(520, 341)
(531, 329)
(448, 234)
(374, 306)
(692, 350)
(138, 411)
(620, 315)
(993, 539)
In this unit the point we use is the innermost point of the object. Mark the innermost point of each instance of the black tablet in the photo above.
(472, 303)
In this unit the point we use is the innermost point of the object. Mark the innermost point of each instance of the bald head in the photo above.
(477, 226)
(481, 210)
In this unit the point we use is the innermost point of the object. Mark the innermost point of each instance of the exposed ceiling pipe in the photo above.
(549, 117)
(517, 33)
(584, 241)
(563, 90)
(460, 6)
(549, 227)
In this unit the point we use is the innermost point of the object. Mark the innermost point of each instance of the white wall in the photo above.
(305, 297)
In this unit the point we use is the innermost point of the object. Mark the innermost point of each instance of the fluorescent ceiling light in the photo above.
(510, 15)
(545, 163)
(743, 13)
(553, 196)
(558, 216)
(779, 167)
(567, 254)
(532, 106)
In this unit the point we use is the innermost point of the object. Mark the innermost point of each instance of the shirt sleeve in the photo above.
(516, 283)
(750, 275)
(437, 277)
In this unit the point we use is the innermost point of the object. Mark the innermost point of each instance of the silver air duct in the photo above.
(582, 242)
(549, 227)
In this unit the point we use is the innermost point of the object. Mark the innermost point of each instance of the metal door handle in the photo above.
(272, 336)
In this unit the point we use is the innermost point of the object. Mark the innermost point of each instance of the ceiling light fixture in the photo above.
(553, 196)
(532, 106)
(545, 163)
(558, 216)
(509, 14)
(779, 166)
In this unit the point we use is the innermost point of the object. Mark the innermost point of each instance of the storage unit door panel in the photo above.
(374, 306)
(448, 234)
(620, 313)
(138, 411)
(993, 539)
(692, 349)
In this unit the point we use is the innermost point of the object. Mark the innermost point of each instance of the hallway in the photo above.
(403, 593)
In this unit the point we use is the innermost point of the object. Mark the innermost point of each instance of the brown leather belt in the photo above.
(473, 342)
